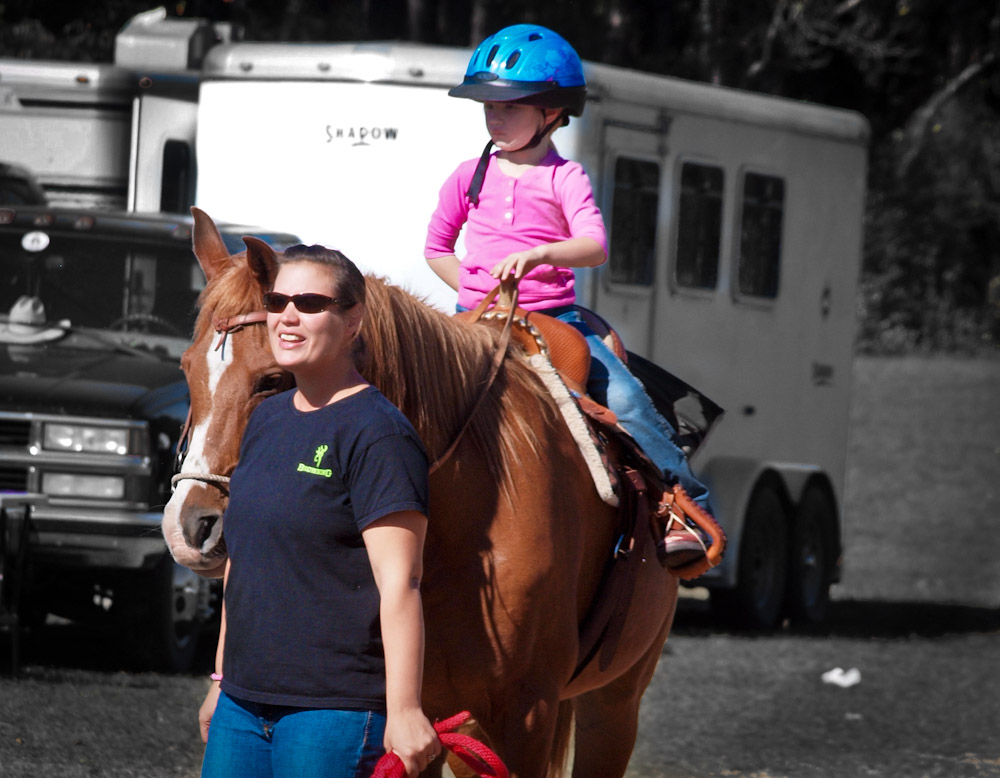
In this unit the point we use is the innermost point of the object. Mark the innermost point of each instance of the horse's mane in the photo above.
(428, 364)
(434, 367)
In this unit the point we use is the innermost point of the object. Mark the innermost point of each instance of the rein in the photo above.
(498, 357)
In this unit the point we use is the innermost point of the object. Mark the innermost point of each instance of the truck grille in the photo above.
(13, 478)
(14, 432)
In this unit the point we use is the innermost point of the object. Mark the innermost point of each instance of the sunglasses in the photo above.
(275, 302)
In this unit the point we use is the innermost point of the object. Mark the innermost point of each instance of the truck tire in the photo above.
(174, 616)
(812, 558)
(756, 602)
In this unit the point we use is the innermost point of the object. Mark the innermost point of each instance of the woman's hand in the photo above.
(207, 710)
(412, 738)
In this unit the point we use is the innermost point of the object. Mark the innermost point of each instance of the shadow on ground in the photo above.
(861, 619)
(69, 645)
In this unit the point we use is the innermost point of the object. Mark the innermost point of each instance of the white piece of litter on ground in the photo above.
(839, 677)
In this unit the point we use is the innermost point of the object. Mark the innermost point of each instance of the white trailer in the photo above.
(735, 227)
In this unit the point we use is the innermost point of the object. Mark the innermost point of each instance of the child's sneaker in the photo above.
(680, 545)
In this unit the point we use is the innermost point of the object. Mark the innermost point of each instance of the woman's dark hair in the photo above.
(349, 283)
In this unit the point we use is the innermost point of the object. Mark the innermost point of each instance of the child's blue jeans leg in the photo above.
(613, 385)
(249, 740)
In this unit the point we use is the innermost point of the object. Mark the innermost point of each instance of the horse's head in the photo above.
(229, 370)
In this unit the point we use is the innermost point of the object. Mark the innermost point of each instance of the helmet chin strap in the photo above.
(476, 184)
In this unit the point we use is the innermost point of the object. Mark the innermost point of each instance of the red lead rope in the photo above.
(475, 754)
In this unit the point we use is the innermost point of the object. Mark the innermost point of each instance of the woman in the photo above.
(320, 656)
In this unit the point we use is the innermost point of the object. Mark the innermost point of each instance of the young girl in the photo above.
(530, 214)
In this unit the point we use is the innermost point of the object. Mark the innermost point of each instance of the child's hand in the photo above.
(516, 265)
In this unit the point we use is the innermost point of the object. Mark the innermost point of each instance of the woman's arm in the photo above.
(207, 709)
(395, 545)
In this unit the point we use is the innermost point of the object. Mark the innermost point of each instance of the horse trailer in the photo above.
(735, 236)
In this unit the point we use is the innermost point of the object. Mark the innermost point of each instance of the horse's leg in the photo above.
(522, 736)
(529, 729)
(607, 719)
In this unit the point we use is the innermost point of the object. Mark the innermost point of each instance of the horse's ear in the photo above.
(209, 248)
(262, 261)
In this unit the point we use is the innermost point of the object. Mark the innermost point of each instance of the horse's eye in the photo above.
(272, 383)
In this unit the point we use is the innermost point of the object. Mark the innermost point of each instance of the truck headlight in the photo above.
(79, 437)
(100, 487)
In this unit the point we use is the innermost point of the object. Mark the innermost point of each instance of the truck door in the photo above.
(631, 174)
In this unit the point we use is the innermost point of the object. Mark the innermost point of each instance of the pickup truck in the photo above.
(96, 308)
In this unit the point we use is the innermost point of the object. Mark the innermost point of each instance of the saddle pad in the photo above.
(578, 426)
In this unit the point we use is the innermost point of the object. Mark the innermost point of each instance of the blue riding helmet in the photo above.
(529, 64)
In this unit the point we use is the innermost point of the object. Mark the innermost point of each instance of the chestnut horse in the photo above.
(518, 538)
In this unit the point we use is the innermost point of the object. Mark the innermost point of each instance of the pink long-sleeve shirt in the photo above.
(550, 202)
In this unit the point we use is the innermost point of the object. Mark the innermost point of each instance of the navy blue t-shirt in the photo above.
(302, 608)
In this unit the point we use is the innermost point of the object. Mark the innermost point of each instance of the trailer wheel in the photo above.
(812, 556)
(757, 600)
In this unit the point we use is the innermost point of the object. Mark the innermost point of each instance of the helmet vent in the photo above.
(513, 58)
(535, 36)
(492, 54)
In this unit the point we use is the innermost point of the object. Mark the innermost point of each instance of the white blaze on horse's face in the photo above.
(195, 503)
(216, 362)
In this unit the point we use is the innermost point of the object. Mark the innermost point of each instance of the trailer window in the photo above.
(760, 235)
(699, 226)
(633, 222)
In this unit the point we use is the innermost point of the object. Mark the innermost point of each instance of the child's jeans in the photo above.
(613, 385)
(251, 740)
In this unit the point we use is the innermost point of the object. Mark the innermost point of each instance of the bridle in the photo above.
(223, 327)
(236, 323)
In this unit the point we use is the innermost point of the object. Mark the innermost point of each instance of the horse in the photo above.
(518, 542)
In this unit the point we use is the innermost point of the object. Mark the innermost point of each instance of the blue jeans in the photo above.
(613, 386)
(251, 740)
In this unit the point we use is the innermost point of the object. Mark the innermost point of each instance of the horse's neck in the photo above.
(434, 374)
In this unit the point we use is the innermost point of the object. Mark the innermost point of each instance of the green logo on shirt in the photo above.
(317, 458)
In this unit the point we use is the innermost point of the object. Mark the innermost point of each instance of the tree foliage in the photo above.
(925, 73)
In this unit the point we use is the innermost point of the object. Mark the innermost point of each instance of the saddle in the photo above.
(561, 357)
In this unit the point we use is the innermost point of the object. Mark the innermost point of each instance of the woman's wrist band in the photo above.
(216, 676)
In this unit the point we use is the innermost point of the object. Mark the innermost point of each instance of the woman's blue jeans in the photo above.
(251, 740)
(613, 386)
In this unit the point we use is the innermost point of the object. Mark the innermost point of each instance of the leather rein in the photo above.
(235, 323)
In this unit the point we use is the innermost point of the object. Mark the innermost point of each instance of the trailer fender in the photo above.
(731, 482)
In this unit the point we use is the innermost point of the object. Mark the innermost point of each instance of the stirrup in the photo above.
(677, 506)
